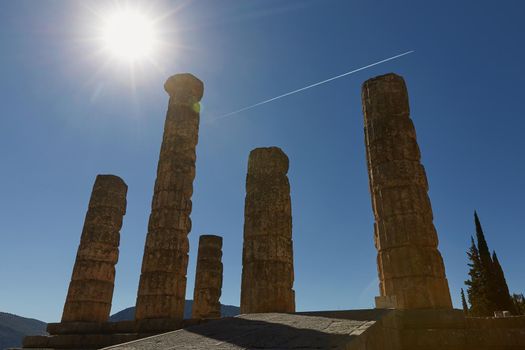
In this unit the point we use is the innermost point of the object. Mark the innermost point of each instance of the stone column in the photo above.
(208, 278)
(267, 263)
(410, 267)
(162, 286)
(91, 287)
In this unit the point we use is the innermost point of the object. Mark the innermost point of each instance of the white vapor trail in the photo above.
(311, 86)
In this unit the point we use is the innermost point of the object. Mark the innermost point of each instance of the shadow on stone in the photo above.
(261, 331)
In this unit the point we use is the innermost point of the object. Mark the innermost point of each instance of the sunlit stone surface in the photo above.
(267, 273)
(91, 287)
(162, 286)
(410, 267)
(208, 278)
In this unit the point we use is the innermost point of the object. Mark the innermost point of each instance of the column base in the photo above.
(386, 302)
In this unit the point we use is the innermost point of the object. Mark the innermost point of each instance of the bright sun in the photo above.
(129, 35)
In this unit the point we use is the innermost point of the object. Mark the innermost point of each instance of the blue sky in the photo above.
(67, 114)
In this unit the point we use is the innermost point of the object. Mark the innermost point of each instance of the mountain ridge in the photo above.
(14, 328)
(129, 313)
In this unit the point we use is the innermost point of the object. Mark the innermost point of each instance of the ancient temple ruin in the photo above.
(267, 259)
(411, 270)
(208, 278)
(162, 286)
(413, 311)
(91, 288)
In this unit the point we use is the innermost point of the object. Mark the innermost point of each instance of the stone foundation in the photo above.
(376, 329)
(437, 330)
(96, 335)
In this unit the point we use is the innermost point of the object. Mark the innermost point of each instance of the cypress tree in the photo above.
(487, 288)
(476, 285)
(487, 269)
(504, 299)
(464, 302)
(483, 247)
(519, 303)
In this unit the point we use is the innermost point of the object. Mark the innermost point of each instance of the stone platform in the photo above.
(263, 331)
(374, 329)
(378, 329)
(96, 335)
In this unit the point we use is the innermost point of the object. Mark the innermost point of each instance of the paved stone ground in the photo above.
(265, 331)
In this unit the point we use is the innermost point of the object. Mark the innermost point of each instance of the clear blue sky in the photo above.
(67, 115)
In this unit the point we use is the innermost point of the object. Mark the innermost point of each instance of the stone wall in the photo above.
(432, 330)
(449, 329)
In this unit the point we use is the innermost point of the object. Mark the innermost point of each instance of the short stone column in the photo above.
(162, 286)
(91, 287)
(267, 263)
(410, 267)
(208, 278)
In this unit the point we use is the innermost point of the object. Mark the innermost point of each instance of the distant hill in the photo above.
(14, 328)
(129, 313)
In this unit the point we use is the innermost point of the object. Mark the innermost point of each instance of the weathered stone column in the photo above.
(267, 262)
(162, 286)
(208, 278)
(410, 267)
(91, 287)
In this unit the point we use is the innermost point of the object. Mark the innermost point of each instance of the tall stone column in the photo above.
(267, 262)
(208, 278)
(91, 287)
(410, 267)
(162, 286)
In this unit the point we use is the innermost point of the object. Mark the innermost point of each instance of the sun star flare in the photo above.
(129, 35)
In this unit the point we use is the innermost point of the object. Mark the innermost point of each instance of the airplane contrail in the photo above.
(310, 86)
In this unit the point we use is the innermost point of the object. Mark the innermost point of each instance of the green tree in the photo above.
(504, 300)
(483, 247)
(464, 302)
(487, 270)
(519, 303)
(487, 288)
(477, 285)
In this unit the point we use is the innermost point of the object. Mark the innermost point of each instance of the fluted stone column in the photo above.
(267, 271)
(208, 278)
(162, 286)
(91, 287)
(410, 267)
